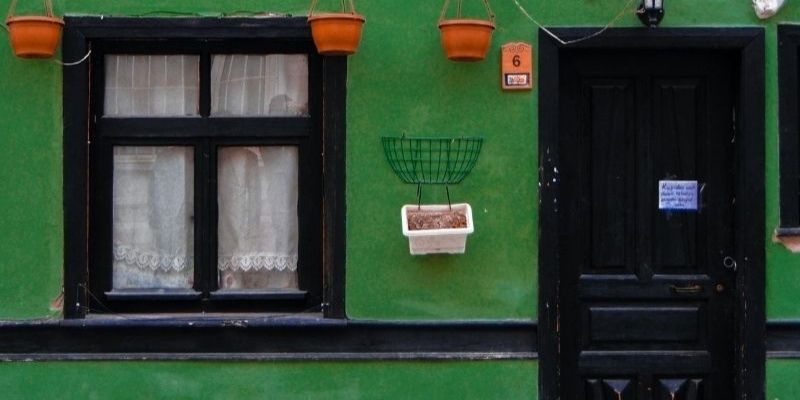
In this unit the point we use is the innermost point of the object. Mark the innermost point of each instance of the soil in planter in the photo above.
(425, 219)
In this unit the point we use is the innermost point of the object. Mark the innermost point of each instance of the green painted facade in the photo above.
(398, 83)
(284, 381)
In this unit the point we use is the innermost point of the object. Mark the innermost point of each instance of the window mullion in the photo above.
(205, 83)
(201, 220)
(212, 208)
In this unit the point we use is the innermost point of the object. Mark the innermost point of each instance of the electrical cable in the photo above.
(619, 15)
(71, 64)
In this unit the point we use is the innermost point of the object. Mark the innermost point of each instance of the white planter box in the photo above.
(432, 241)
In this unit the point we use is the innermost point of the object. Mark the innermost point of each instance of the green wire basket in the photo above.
(432, 161)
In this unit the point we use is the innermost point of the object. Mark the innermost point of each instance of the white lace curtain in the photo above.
(152, 86)
(154, 185)
(153, 206)
(273, 85)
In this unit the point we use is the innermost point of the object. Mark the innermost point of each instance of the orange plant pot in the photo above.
(466, 39)
(336, 34)
(35, 36)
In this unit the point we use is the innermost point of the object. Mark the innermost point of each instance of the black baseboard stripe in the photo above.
(265, 339)
(293, 339)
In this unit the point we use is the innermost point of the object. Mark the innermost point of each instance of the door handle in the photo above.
(689, 289)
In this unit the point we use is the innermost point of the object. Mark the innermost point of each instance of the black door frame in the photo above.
(749, 214)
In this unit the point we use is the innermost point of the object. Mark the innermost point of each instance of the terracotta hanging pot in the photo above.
(34, 36)
(466, 39)
(336, 34)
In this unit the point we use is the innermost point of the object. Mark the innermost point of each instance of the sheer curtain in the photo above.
(152, 85)
(273, 85)
(153, 205)
(257, 185)
(258, 229)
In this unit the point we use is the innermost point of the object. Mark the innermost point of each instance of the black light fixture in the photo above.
(651, 12)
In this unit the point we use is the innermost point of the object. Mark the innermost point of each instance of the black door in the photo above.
(646, 295)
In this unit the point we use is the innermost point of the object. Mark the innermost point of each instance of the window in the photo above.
(204, 167)
(789, 45)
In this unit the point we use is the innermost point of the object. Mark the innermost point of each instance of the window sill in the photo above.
(258, 295)
(206, 320)
(153, 294)
(192, 295)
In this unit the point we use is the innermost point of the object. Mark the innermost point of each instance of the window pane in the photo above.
(257, 226)
(152, 85)
(153, 205)
(259, 85)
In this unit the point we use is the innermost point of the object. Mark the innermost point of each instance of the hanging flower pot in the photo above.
(34, 36)
(466, 39)
(336, 34)
(435, 229)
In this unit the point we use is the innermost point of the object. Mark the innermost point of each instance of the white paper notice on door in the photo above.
(677, 195)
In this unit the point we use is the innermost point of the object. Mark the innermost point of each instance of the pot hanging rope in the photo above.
(466, 39)
(34, 36)
(336, 34)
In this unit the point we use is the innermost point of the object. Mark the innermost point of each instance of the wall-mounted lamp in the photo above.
(651, 12)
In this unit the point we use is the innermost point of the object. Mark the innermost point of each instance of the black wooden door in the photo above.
(646, 296)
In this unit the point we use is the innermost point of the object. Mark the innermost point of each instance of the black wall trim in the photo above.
(293, 339)
(788, 45)
(287, 338)
(783, 339)
(208, 27)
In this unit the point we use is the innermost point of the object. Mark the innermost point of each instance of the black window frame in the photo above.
(89, 138)
(789, 122)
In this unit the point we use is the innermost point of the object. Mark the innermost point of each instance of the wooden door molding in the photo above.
(749, 187)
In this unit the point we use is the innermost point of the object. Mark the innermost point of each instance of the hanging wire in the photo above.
(48, 8)
(343, 4)
(89, 292)
(459, 4)
(627, 8)
(71, 64)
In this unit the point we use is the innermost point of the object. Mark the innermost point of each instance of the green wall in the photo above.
(279, 381)
(782, 382)
(399, 83)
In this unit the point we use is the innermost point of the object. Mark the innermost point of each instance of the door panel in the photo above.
(611, 102)
(646, 306)
(626, 324)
